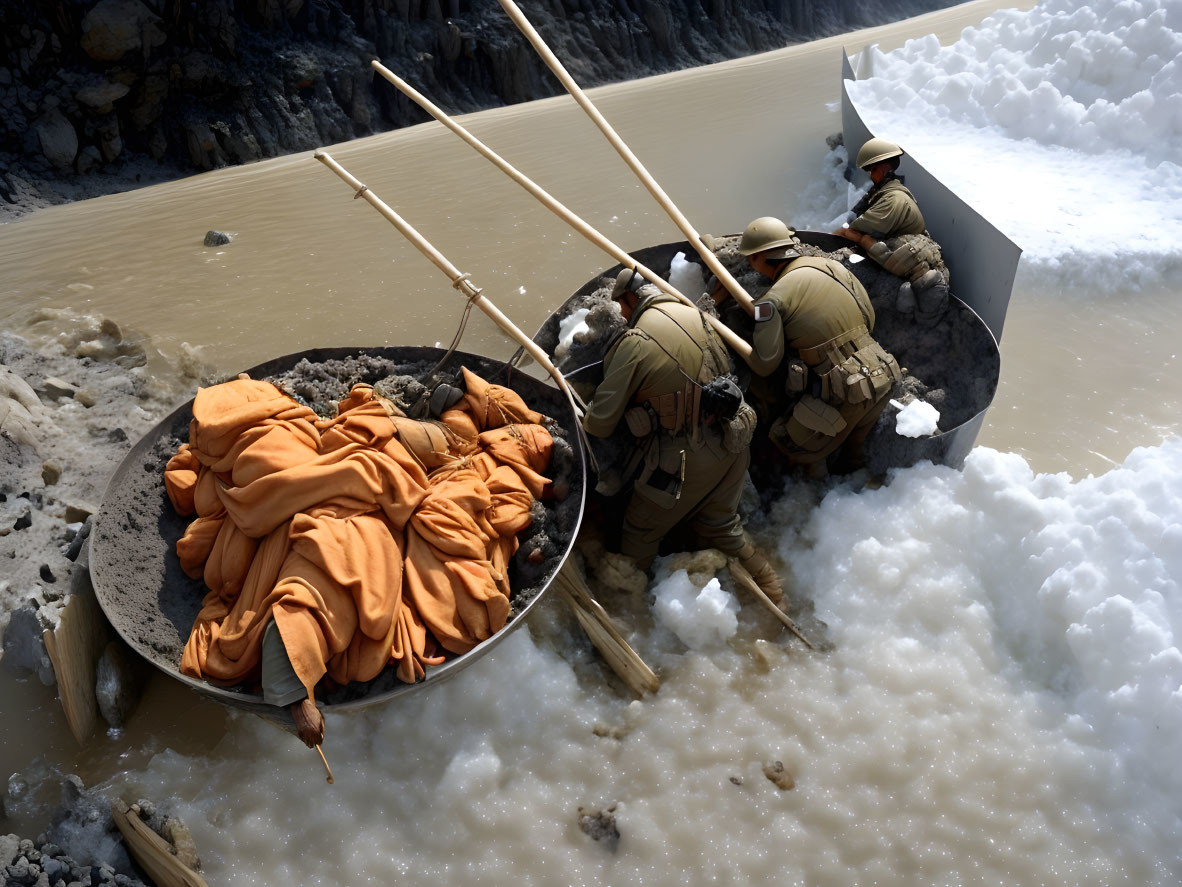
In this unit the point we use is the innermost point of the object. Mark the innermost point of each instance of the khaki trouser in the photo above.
(806, 447)
(709, 501)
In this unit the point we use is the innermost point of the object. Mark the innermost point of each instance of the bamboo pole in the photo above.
(743, 576)
(725, 277)
(459, 280)
(591, 615)
(732, 339)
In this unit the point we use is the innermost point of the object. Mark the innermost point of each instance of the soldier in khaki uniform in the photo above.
(835, 383)
(888, 209)
(692, 456)
(882, 221)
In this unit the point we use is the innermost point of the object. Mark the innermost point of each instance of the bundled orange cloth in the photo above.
(370, 539)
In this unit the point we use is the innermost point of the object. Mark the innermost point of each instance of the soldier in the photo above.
(667, 377)
(885, 223)
(888, 209)
(834, 386)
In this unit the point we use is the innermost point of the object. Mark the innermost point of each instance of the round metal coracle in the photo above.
(151, 602)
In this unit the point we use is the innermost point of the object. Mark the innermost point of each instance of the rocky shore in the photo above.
(98, 97)
(70, 408)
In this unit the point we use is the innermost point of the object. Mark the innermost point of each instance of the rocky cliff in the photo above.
(98, 96)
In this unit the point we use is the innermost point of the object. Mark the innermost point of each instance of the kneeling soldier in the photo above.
(836, 382)
(667, 378)
(888, 225)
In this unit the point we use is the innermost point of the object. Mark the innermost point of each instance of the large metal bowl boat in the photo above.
(152, 603)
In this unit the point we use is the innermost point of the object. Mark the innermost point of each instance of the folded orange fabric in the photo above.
(335, 529)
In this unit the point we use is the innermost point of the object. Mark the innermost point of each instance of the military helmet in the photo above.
(627, 279)
(877, 150)
(765, 234)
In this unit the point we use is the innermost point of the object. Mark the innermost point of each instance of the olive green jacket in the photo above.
(892, 212)
(667, 342)
(815, 300)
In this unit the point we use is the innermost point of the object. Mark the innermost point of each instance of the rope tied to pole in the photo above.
(464, 284)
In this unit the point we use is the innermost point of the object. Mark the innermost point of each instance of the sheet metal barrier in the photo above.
(983, 261)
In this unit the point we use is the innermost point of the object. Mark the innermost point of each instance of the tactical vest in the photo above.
(678, 412)
(851, 367)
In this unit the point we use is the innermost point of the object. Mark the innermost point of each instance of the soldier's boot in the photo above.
(761, 571)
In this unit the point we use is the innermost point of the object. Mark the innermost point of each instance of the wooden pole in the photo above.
(459, 280)
(732, 339)
(743, 577)
(327, 769)
(725, 277)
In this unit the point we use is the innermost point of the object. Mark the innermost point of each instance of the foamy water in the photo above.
(1002, 701)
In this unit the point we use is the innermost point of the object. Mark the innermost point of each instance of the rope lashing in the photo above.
(464, 284)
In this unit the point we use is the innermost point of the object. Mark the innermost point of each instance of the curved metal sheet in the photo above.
(983, 261)
(136, 507)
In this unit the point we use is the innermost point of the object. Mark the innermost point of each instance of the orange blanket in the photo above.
(369, 538)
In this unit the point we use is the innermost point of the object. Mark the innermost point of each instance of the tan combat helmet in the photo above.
(876, 151)
(770, 236)
(627, 279)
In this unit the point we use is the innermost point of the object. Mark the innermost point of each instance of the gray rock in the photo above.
(217, 238)
(58, 139)
(88, 160)
(119, 683)
(101, 97)
(54, 388)
(79, 511)
(9, 848)
(24, 650)
(114, 28)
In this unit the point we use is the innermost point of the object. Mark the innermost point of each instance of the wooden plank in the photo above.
(74, 649)
(152, 852)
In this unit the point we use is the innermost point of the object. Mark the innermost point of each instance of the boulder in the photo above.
(217, 238)
(101, 97)
(24, 650)
(115, 28)
(119, 683)
(58, 139)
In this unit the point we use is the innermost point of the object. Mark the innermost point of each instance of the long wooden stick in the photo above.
(732, 339)
(327, 769)
(725, 277)
(459, 280)
(743, 576)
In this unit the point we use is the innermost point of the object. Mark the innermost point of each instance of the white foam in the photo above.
(686, 276)
(1061, 125)
(700, 617)
(916, 419)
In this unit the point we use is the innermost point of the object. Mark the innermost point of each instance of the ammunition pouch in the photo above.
(853, 368)
(679, 411)
(880, 252)
(813, 416)
(662, 479)
(640, 420)
(910, 256)
(797, 379)
(738, 432)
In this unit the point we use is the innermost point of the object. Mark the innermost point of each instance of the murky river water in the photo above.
(310, 266)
